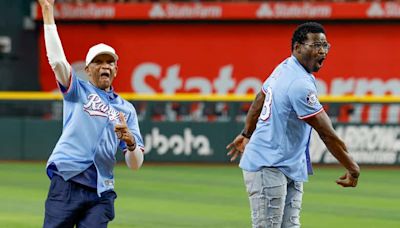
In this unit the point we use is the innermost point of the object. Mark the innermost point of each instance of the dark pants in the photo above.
(69, 204)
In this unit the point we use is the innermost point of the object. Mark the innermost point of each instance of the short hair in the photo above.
(300, 34)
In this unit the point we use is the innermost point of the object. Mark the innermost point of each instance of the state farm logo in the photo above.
(185, 11)
(285, 10)
(172, 81)
(388, 9)
(375, 10)
(84, 11)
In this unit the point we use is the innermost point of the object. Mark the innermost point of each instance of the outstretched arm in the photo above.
(237, 146)
(54, 49)
(322, 124)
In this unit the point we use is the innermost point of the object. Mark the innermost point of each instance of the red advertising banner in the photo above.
(226, 11)
(232, 58)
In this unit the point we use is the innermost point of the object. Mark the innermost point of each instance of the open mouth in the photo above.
(105, 74)
(320, 61)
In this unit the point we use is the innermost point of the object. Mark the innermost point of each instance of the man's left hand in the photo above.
(347, 180)
(123, 132)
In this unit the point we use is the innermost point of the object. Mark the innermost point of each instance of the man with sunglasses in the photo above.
(277, 131)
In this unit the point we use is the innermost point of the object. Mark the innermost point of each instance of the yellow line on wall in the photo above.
(196, 97)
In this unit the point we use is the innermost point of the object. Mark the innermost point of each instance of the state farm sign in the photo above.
(181, 11)
(384, 10)
(93, 11)
(350, 10)
(172, 82)
(232, 58)
(286, 10)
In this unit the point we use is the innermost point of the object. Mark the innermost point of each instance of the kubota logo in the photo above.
(185, 144)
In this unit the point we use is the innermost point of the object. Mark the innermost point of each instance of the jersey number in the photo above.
(266, 110)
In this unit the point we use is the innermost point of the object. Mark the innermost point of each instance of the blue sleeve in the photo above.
(303, 97)
(133, 125)
(71, 93)
(265, 86)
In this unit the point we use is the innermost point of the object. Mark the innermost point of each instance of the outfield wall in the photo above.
(34, 139)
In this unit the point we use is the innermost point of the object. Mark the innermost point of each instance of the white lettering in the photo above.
(159, 141)
(177, 144)
(366, 144)
(199, 83)
(224, 82)
(390, 9)
(198, 10)
(362, 86)
(342, 86)
(377, 86)
(367, 157)
(96, 107)
(85, 11)
(171, 82)
(321, 86)
(251, 84)
(284, 10)
(139, 77)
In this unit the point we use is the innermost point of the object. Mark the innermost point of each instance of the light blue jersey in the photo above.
(281, 137)
(88, 136)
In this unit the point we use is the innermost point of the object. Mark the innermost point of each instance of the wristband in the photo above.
(131, 147)
(246, 135)
(355, 176)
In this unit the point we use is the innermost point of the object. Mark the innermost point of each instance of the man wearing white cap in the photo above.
(96, 122)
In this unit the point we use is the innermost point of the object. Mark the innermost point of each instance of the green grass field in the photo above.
(207, 196)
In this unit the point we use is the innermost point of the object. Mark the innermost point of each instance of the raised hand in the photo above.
(47, 11)
(123, 132)
(237, 146)
(46, 3)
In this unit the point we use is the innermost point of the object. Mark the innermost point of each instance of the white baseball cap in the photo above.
(99, 49)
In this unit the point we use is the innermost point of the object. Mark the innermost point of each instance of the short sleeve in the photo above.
(264, 87)
(71, 93)
(303, 97)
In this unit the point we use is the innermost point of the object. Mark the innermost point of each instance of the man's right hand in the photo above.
(237, 146)
(46, 3)
(47, 11)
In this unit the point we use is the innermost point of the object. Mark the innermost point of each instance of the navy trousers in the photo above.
(70, 204)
